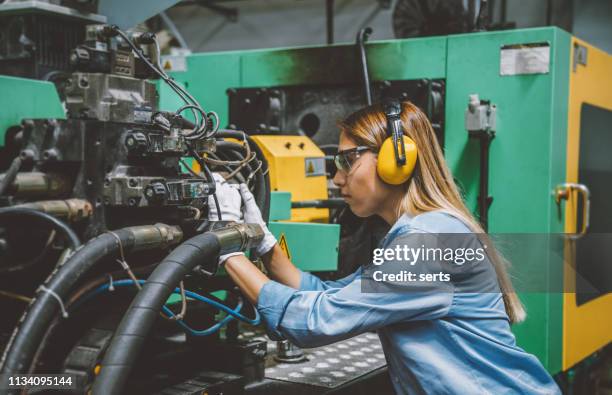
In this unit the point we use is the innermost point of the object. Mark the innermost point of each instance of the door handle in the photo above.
(564, 191)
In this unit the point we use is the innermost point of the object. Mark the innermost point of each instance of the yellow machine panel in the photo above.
(297, 165)
(587, 327)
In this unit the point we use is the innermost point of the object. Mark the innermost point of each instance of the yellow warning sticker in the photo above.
(282, 242)
(314, 167)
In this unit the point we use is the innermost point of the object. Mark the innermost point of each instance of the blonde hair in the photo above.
(431, 186)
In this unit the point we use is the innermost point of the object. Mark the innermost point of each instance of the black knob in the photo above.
(136, 143)
(155, 192)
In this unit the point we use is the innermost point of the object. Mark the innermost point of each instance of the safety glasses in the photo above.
(344, 159)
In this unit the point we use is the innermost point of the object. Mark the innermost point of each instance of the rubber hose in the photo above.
(43, 308)
(144, 310)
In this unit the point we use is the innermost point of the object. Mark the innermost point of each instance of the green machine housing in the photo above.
(546, 121)
(531, 158)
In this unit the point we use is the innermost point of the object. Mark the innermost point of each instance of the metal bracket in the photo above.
(480, 122)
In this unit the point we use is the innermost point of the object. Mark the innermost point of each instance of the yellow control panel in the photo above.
(297, 165)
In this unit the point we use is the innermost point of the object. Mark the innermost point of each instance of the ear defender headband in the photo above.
(398, 153)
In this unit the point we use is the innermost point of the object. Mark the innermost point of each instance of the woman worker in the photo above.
(453, 337)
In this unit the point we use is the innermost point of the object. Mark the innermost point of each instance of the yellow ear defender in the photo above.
(398, 153)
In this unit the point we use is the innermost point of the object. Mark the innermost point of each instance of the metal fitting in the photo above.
(158, 235)
(239, 237)
(71, 210)
(36, 184)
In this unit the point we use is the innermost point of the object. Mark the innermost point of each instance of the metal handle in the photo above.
(563, 191)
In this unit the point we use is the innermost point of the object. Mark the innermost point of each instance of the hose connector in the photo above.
(238, 237)
(155, 236)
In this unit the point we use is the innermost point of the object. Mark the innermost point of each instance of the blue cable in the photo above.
(232, 313)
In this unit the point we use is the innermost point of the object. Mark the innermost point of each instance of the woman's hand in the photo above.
(229, 199)
(252, 215)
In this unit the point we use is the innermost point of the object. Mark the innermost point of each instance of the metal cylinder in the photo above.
(37, 185)
(70, 210)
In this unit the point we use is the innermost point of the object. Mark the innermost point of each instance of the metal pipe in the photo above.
(37, 184)
(321, 203)
(329, 16)
(362, 37)
(71, 210)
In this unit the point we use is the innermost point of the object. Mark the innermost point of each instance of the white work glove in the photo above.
(252, 215)
(229, 202)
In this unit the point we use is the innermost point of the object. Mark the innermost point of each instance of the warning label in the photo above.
(315, 167)
(282, 242)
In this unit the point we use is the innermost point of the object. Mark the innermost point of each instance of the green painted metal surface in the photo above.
(528, 155)
(280, 206)
(22, 98)
(527, 159)
(312, 247)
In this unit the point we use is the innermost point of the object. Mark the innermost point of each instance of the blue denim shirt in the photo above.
(434, 342)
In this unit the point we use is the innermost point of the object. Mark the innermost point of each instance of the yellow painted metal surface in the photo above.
(588, 327)
(295, 166)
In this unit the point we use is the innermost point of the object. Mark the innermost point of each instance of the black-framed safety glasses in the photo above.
(345, 159)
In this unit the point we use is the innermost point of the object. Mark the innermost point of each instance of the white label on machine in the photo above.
(174, 63)
(520, 59)
(314, 167)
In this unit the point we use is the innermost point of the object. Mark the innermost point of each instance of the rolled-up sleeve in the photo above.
(316, 318)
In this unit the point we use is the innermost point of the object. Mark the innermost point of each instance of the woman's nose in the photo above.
(339, 178)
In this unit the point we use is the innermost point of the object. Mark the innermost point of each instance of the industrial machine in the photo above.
(519, 114)
(108, 162)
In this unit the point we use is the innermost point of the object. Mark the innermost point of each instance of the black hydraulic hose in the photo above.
(58, 225)
(45, 306)
(362, 37)
(49, 298)
(10, 175)
(262, 179)
(144, 309)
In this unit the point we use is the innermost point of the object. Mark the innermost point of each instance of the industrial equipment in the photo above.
(517, 112)
(107, 163)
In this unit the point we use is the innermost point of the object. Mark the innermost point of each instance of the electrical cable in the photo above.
(193, 295)
(210, 178)
(58, 225)
(33, 261)
(182, 93)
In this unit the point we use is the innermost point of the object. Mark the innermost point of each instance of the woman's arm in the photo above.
(247, 276)
(280, 267)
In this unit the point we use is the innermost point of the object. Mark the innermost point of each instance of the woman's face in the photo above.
(363, 190)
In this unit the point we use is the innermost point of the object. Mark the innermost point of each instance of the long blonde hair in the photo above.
(431, 186)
